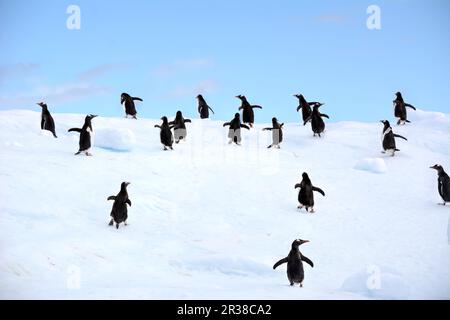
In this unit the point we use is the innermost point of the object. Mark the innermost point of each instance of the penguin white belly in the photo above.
(92, 137)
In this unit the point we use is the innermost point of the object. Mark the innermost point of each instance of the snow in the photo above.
(208, 220)
(374, 165)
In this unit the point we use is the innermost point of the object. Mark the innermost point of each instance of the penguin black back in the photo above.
(165, 135)
(47, 122)
(85, 142)
(443, 183)
(400, 109)
(203, 108)
(248, 116)
(388, 138)
(294, 260)
(317, 123)
(128, 102)
(119, 211)
(306, 195)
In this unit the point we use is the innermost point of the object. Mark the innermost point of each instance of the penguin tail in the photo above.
(54, 134)
(407, 121)
(396, 150)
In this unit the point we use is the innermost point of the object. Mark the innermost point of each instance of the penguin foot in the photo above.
(178, 141)
(441, 204)
(125, 223)
(301, 285)
(292, 284)
(301, 207)
(117, 226)
(78, 153)
(111, 222)
(312, 210)
(88, 154)
(165, 149)
(231, 140)
(270, 146)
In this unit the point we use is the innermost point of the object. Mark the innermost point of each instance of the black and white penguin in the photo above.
(388, 138)
(248, 116)
(165, 133)
(317, 123)
(443, 183)
(400, 109)
(277, 133)
(294, 260)
(203, 108)
(119, 212)
(179, 127)
(305, 106)
(234, 133)
(47, 122)
(306, 195)
(128, 103)
(86, 135)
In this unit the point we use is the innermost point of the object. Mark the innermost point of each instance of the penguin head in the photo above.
(386, 123)
(123, 97)
(438, 168)
(274, 121)
(124, 185)
(89, 117)
(237, 115)
(164, 119)
(305, 176)
(316, 108)
(241, 97)
(298, 242)
(398, 94)
(199, 97)
(42, 105)
(178, 115)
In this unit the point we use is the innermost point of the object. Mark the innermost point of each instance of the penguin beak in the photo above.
(305, 241)
(127, 183)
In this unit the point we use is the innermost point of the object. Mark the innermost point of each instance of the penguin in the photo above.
(165, 133)
(203, 108)
(388, 138)
(306, 196)
(128, 103)
(234, 133)
(47, 122)
(317, 123)
(248, 116)
(295, 272)
(277, 133)
(119, 211)
(85, 135)
(305, 106)
(179, 127)
(443, 183)
(400, 109)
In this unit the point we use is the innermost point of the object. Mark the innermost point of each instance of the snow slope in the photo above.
(209, 220)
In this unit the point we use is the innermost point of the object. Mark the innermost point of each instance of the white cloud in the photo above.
(202, 87)
(177, 66)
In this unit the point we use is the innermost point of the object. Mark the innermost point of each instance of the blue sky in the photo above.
(168, 51)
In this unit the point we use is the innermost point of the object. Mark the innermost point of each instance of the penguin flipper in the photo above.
(187, 120)
(298, 185)
(74, 130)
(226, 124)
(211, 110)
(111, 198)
(410, 106)
(129, 202)
(324, 115)
(307, 120)
(298, 108)
(284, 260)
(42, 124)
(318, 190)
(245, 126)
(308, 261)
(257, 107)
(157, 126)
(136, 98)
(399, 136)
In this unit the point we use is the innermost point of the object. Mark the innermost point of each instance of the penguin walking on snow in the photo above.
(203, 108)
(294, 260)
(179, 127)
(165, 133)
(248, 116)
(86, 133)
(443, 183)
(128, 103)
(234, 133)
(306, 195)
(47, 122)
(305, 106)
(317, 123)
(119, 212)
(277, 133)
(388, 138)
(400, 109)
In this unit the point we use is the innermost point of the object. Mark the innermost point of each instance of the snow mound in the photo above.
(374, 165)
(115, 139)
(377, 283)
